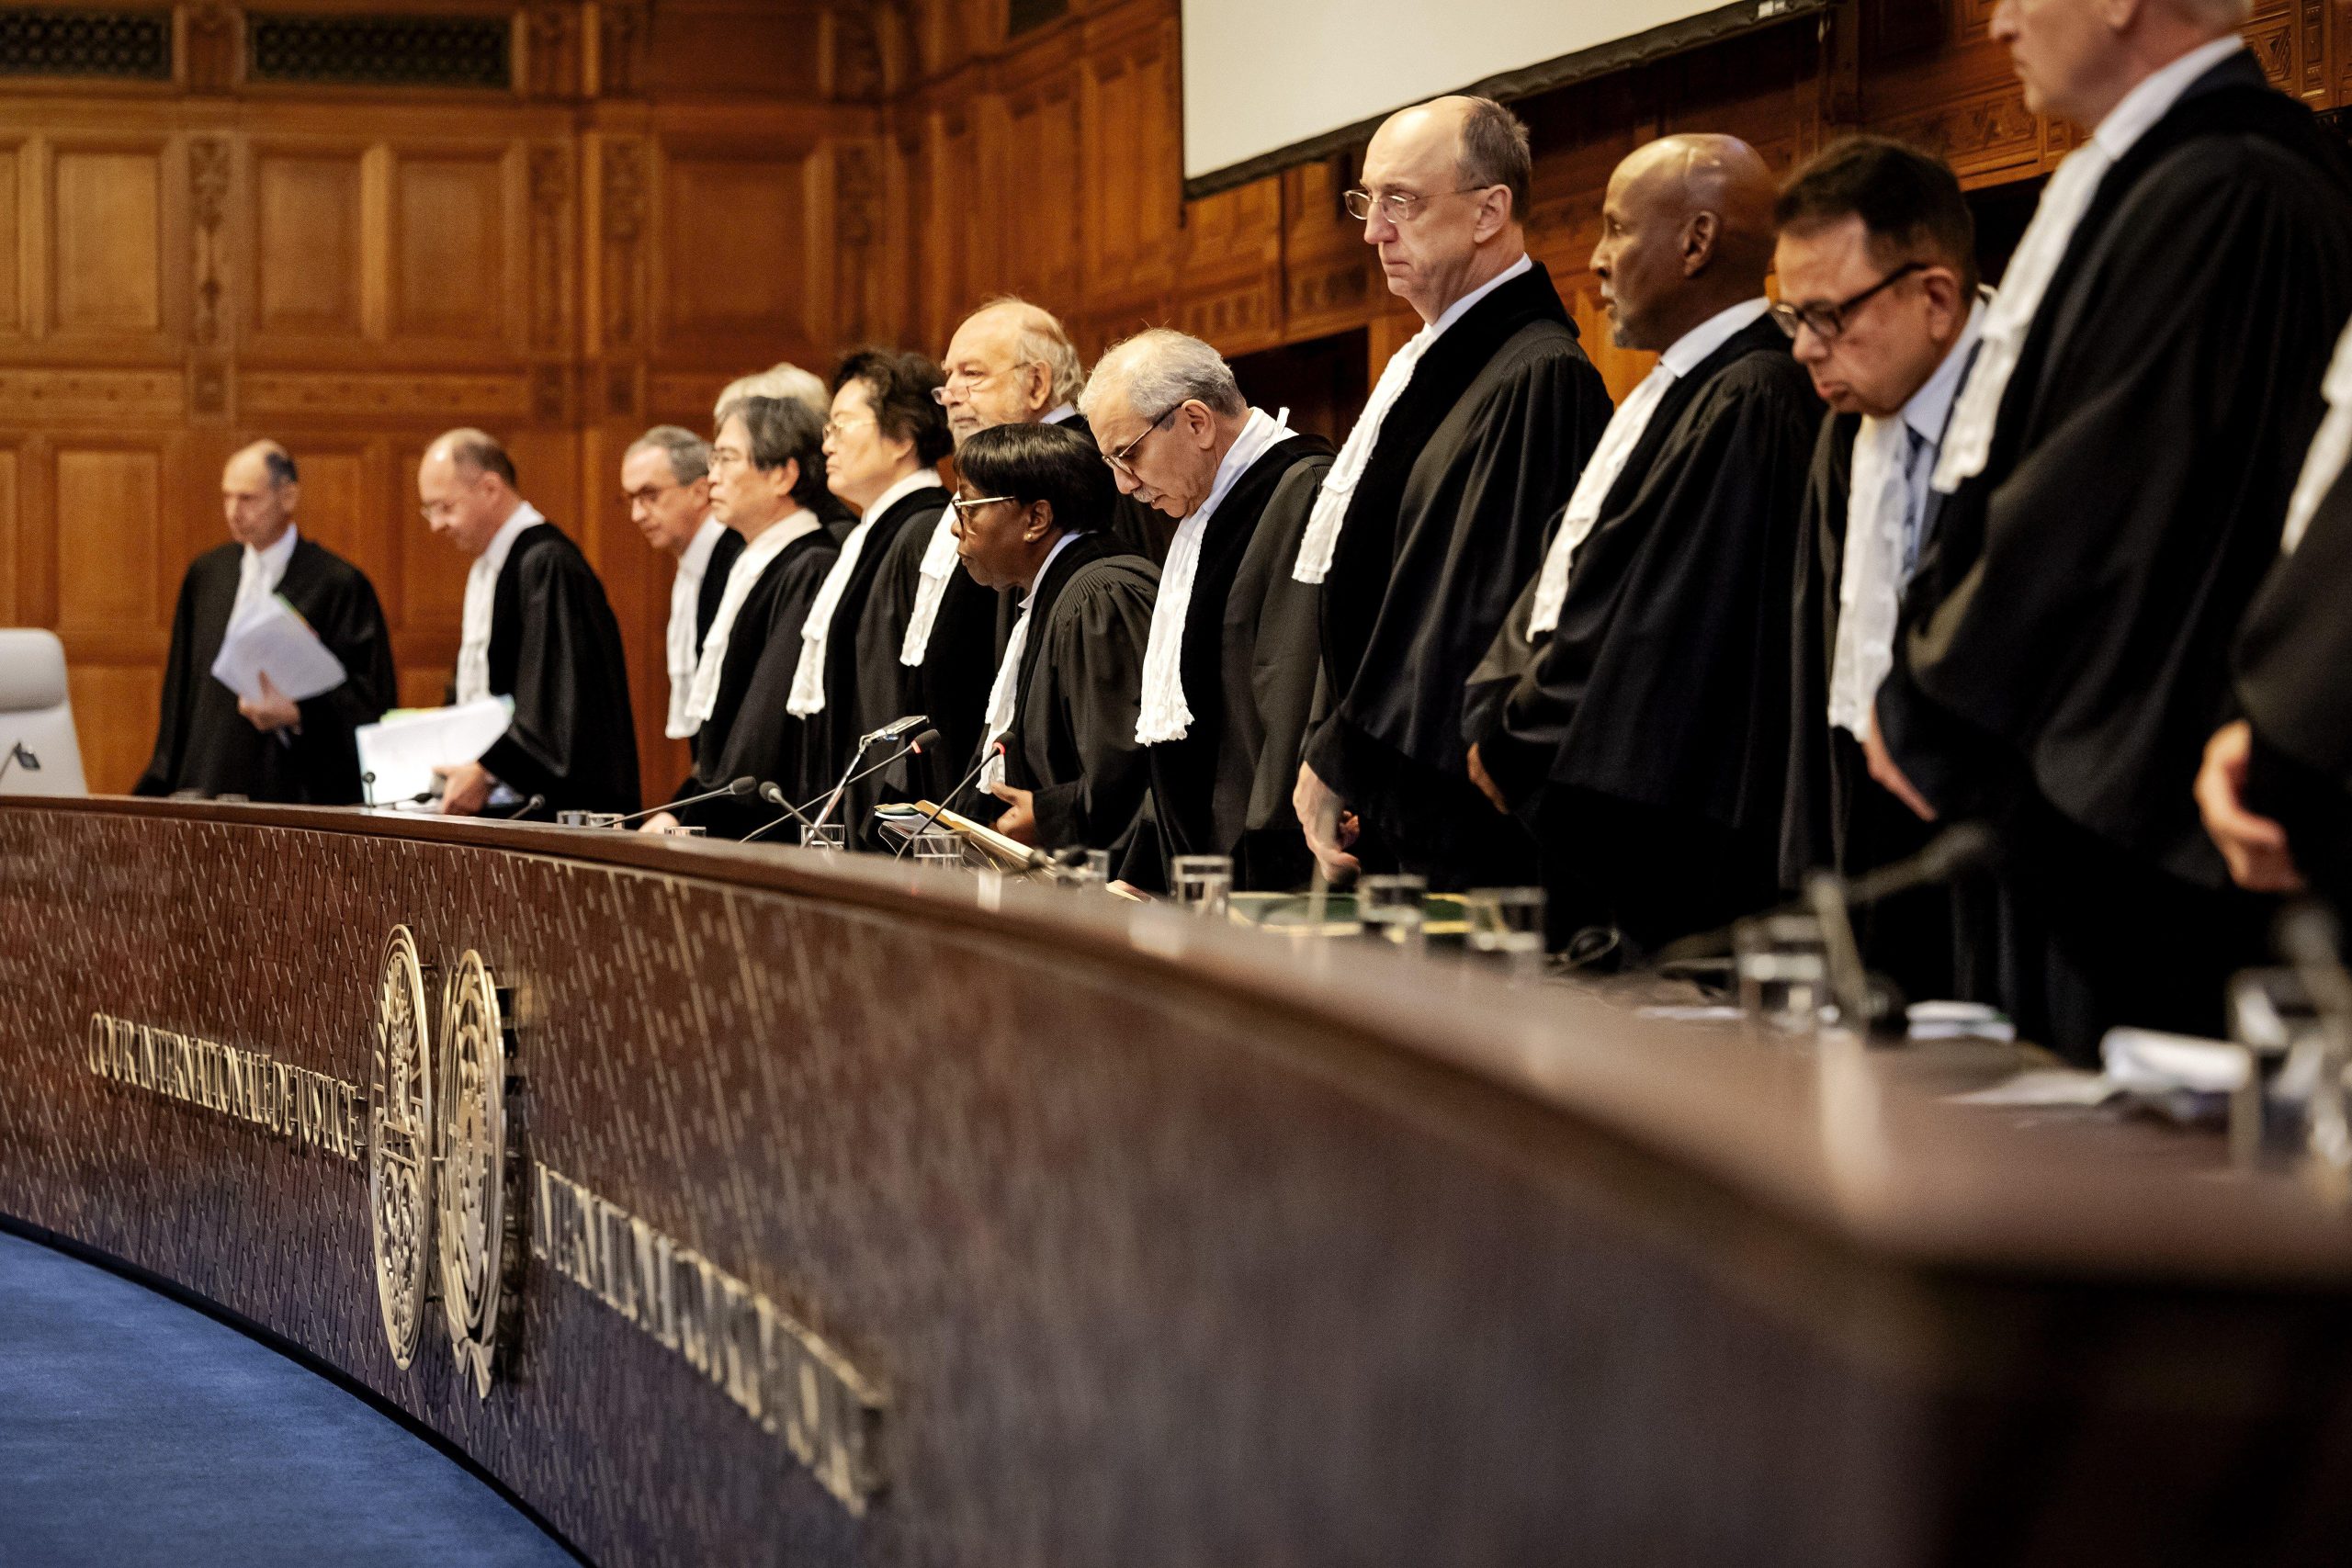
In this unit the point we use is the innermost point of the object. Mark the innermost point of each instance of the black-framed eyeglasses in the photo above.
(1397, 207)
(1829, 321)
(1118, 461)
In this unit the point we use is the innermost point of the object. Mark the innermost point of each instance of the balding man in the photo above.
(537, 630)
(1433, 518)
(1634, 711)
(211, 741)
(1012, 362)
(1229, 674)
(2110, 495)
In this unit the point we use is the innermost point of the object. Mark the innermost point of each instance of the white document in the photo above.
(2047, 1085)
(273, 636)
(404, 749)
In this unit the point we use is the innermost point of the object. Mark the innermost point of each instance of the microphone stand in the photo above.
(774, 797)
(743, 785)
(961, 786)
(889, 731)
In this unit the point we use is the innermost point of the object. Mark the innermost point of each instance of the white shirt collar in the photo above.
(1043, 567)
(921, 479)
(1930, 406)
(2153, 98)
(694, 559)
(1710, 334)
(1461, 307)
(1056, 416)
(524, 516)
(273, 559)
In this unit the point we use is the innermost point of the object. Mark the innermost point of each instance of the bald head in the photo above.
(1445, 186)
(1686, 231)
(259, 494)
(1009, 363)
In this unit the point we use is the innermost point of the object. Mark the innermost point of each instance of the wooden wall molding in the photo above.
(280, 394)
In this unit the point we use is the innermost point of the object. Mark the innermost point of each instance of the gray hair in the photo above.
(781, 380)
(1045, 340)
(689, 454)
(1161, 368)
(1495, 152)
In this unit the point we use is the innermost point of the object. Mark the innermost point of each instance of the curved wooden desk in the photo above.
(868, 1224)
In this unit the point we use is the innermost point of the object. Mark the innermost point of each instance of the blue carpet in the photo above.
(136, 1430)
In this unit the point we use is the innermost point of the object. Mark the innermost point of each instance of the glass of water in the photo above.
(1202, 883)
(938, 846)
(1390, 910)
(833, 836)
(1508, 922)
(1782, 965)
(1091, 870)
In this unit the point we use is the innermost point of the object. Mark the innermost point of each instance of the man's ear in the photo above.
(787, 478)
(1494, 213)
(1699, 237)
(1947, 301)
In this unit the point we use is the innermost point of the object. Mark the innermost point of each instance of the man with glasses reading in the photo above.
(1231, 672)
(1633, 710)
(1877, 267)
(1433, 515)
(536, 628)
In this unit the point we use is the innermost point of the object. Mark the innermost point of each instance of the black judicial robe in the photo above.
(203, 743)
(1447, 525)
(959, 662)
(1073, 736)
(2293, 683)
(834, 732)
(555, 647)
(723, 551)
(750, 730)
(1836, 817)
(2064, 649)
(1645, 741)
(1251, 666)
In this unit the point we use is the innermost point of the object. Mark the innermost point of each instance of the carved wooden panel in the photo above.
(12, 293)
(1130, 114)
(733, 249)
(111, 564)
(14, 610)
(309, 238)
(450, 246)
(107, 217)
(1036, 174)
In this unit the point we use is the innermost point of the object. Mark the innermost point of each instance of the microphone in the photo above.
(367, 788)
(19, 755)
(743, 785)
(771, 793)
(1964, 846)
(895, 728)
(995, 749)
(515, 813)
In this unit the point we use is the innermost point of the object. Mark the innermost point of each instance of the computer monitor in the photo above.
(38, 751)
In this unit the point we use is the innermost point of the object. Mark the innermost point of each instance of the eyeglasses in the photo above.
(957, 378)
(1829, 321)
(838, 429)
(1397, 207)
(966, 508)
(1118, 461)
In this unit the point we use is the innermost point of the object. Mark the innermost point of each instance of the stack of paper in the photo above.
(405, 749)
(273, 637)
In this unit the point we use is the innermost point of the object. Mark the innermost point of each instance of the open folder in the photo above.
(983, 846)
(272, 636)
(402, 750)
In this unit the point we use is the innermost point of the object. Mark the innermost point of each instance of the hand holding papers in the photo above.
(409, 747)
(272, 638)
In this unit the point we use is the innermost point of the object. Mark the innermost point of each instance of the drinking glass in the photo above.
(832, 836)
(1509, 923)
(1390, 910)
(1783, 970)
(938, 846)
(1202, 883)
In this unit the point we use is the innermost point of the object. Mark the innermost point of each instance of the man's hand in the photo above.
(1883, 770)
(1019, 821)
(660, 822)
(1329, 828)
(2255, 847)
(465, 789)
(1486, 783)
(272, 710)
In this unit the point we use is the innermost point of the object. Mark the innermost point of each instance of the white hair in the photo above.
(785, 380)
(1159, 369)
(1045, 340)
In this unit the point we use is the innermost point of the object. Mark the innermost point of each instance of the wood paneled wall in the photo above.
(677, 191)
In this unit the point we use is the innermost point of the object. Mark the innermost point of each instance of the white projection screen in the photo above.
(1272, 83)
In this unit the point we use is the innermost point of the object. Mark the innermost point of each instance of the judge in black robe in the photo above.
(723, 552)
(203, 741)
(1223, 741)
(1644, 740)
(1064, 700)
(949, 679)
(2065, 639)
(883, 443)
(1472, 440)
(536, 628)
(767, 468)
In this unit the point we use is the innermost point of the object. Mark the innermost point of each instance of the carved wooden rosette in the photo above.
(401, 1152)
(479, 1214)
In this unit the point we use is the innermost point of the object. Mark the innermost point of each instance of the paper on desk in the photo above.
(404, 749)
(273, 636)
(2053, 1085)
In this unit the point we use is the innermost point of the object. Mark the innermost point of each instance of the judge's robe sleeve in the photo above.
(353, 630)
(2075, 634)
(559, 676)
(1087, 690)
(766, 740)
(1808, 838)
(171, 725)
(1273, 667)
(1520, 462)
(1662, 627)
(2293, 683)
